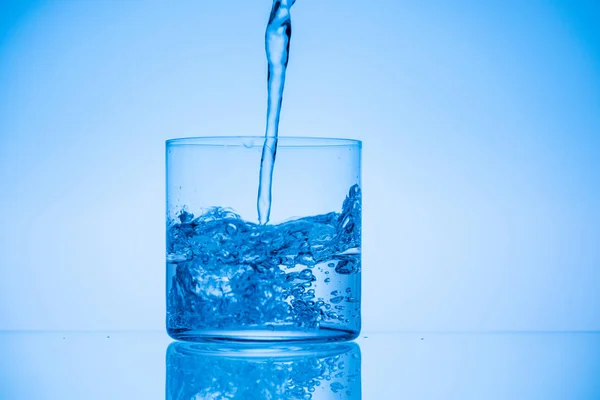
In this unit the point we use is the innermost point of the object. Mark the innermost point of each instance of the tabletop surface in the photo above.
(149, 365)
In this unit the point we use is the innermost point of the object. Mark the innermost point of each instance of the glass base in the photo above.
(263, 335)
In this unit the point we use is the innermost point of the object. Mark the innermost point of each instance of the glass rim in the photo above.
(258, 141)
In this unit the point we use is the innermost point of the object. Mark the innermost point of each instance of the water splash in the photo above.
(227, 273)
(277, 46)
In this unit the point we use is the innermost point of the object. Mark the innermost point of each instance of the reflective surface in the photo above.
(327, 371)
(148, 365)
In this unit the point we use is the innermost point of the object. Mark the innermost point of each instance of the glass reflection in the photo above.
(211, 371)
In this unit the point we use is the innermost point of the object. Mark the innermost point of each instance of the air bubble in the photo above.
(346, 267)
(306, 274)
(231, 229)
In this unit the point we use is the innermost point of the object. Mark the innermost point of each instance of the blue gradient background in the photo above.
(481, 157)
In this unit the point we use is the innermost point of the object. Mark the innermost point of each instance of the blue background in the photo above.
(481, 157)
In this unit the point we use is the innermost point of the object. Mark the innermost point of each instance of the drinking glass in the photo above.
(296, 278)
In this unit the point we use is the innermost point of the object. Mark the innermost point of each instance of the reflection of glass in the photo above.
(208, 371)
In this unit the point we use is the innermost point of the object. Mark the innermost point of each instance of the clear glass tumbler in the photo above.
(296, 278)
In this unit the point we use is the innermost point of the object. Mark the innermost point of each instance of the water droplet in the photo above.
(327, 280)
(336, 300)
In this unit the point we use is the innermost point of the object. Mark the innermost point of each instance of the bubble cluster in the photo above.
(224, 272)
